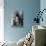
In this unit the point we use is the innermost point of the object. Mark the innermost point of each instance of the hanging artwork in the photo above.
(17, 19)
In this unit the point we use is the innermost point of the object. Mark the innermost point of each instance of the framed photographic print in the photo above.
(17, 18)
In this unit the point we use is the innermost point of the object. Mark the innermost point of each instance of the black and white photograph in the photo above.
(17, 18)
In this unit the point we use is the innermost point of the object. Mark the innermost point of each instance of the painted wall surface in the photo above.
(29, 7)
(43, 6)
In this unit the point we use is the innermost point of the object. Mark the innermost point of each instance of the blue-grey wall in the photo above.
(43, 6)
(29, 7)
